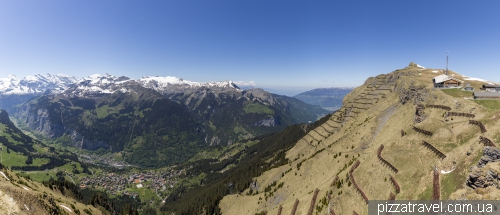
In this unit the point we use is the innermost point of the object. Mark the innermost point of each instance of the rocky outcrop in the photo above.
(213, 141)
(490, 154)
(270, 122)
(417, 94)
(80, 141)
(483, 177)
(39, 121)
(486, 173)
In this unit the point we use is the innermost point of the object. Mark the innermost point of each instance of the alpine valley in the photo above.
(149, 122)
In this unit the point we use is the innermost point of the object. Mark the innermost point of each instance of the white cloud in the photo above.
(245, 83)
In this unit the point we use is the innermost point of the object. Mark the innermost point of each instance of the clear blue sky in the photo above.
(276, 44)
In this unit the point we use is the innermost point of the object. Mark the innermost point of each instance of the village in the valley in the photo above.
(158, 181)
(117, 184)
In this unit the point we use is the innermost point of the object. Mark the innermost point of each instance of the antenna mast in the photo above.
(447, 62)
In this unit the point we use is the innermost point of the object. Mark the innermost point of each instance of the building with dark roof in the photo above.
(446, 81)
(486, 95)
(491, 88)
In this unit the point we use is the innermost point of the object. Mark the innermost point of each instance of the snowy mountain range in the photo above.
(35, 84)
(97, 83)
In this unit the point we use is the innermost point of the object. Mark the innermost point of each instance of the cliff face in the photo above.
(149, 129)
(39, 121)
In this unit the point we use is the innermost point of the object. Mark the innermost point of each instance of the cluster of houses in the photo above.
(110, 182)
(447, 81)
(118, 183)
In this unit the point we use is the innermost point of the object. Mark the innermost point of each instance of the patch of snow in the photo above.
(478, 79)
(435, 71)
(26, 207)
(4, 176)
(447, 172)
(66, 207)
(31, 78)
(25, 188)
(94, 89)
(420, 66)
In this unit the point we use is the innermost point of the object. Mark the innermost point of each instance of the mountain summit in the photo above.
(35, 84)
(14, 90)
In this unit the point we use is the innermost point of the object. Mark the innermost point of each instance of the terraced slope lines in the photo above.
(294, 209)
(354, 181)
(416, 126)
(486, 141)
(396, 185)
(481, 126)
(313, 202)
(468, 115)
(433, 149)
(439, 106)
(436, 191)
(419, 130)
(279, 210)
(379, 154)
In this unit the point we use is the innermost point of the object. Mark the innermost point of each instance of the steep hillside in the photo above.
(328, 98)
(19, 195)
(386, 141)
(22, 195)
(150, 129)
(38, 179)
(19, 151)
(232, 172)
(230, 114)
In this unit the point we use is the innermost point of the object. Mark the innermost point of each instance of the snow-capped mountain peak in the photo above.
(98, 83)
(98, 79)
(159, 83)
(35, 84)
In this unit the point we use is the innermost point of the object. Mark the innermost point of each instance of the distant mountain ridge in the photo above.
(38, 84)
(14, 90)
(156, 121)
(328, 98)
(35, 84)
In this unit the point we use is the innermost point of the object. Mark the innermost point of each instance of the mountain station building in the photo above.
(446, 81)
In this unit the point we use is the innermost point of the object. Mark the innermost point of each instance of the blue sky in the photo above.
(276, 44)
